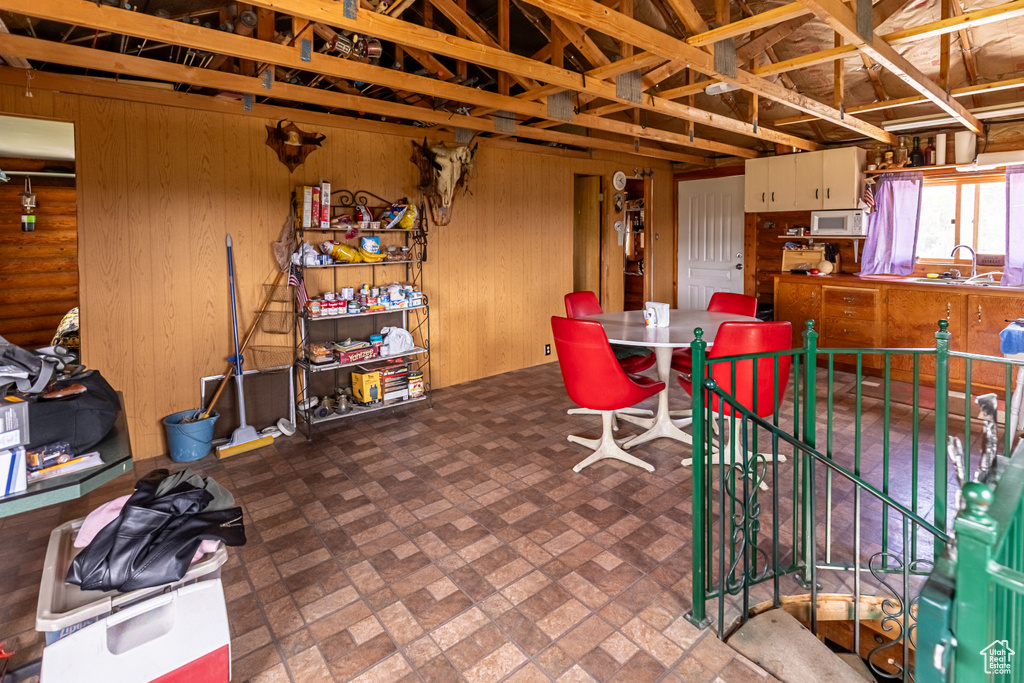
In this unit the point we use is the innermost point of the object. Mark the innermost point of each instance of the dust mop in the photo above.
(245, 438)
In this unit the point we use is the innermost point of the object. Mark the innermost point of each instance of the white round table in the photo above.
(628, 328)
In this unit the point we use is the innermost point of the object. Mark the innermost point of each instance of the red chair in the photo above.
(584, 303)
(580, 304)
(741, 338)
(595, 380)
(721, 302)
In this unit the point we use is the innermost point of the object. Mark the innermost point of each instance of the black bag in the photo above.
(82, 420)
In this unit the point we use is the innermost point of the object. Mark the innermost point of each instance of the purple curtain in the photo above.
(891, 242)
(1013, 267)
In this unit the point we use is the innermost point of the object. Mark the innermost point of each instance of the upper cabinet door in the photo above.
(782, 182)
(808, 187)
(755, 185)
(842, 177)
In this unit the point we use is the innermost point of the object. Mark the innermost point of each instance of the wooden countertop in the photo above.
(890, 280)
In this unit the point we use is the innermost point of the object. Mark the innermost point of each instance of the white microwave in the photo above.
(841, 223)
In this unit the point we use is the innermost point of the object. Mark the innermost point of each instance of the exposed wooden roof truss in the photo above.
(628, 76)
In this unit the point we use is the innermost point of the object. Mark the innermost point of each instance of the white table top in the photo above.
(628, 327)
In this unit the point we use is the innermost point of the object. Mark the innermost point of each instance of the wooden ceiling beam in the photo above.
(404, 33)
(931, 29)
(769, 38)
(966, 49)
(581, 41)
(771, 17)
(89, 58)
(688, 14)
(143, 91)
(885, 105)
(476, 33)
(102, 17)
(12, 60)
(842, 20)
(594, 15)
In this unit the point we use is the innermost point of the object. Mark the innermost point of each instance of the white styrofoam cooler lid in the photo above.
(63, 604)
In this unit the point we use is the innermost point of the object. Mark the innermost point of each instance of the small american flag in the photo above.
(295, 280)
(869, 198)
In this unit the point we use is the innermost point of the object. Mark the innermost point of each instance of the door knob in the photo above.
(739, 266)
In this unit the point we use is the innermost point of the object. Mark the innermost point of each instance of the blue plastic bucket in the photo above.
(189, 441)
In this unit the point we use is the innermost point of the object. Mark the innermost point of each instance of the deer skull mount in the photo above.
(443, 171)
(291, 144)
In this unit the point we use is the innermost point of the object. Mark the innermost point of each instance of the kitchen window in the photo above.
(969, 211)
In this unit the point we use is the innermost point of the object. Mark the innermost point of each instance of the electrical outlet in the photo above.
(547, 349)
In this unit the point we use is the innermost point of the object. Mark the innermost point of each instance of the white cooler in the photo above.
(177, 632)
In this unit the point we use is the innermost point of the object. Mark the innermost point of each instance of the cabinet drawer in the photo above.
(863, 303)
(841, 332)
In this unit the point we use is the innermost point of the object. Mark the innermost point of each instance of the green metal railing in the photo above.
(975, 596)
(842, 511)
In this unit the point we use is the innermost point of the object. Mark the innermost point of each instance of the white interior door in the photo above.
(710, 239)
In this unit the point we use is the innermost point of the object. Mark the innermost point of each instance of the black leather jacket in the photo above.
(153, 540)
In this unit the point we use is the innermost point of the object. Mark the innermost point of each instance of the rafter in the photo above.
(579, 38)
(477, 33)
(888, 104)
(146, 26)
(759, 44)
(770, 17)
(932, 29)
(441, 43)
(88, 58)
(596, 16)
(13, 60)
(842, 20)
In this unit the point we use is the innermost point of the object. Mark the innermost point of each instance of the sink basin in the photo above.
(956, 281)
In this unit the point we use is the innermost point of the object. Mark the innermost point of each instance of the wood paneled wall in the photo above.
(766, 235)
(160, 186)
(38, 270)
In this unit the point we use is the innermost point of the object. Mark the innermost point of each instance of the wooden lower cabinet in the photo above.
(798, 302)
(986, 316)
(913, 320)
(860, 314)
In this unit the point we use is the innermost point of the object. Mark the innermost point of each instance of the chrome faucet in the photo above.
(974, 257)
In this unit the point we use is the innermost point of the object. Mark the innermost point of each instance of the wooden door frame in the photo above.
(601, 287)
(704, 174)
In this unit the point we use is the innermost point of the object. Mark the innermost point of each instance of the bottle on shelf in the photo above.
(916, 155)
(929, 152)
(902, 153)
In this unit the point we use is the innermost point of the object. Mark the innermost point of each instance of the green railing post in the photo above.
(976, 536)
(941, 426)
(809, 433)
(699, 347)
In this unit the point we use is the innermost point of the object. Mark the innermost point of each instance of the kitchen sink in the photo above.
(955, 281)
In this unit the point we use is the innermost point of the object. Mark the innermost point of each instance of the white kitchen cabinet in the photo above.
(755, 185)
(782, 182)
(842, 177)
(807, 181)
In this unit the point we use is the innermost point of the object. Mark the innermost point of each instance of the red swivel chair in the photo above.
(595, 380)
(584, 303)
(721, 302)
(741, 338)
(580, 304)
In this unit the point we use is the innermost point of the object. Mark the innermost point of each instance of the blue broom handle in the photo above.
(234, 313)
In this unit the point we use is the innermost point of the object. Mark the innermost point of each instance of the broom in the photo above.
(202, 413)
(245, 437)
(282, 254)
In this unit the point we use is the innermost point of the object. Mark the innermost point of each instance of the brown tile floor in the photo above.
(443, 544)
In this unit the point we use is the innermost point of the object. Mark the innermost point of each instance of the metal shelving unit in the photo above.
(320, 380)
